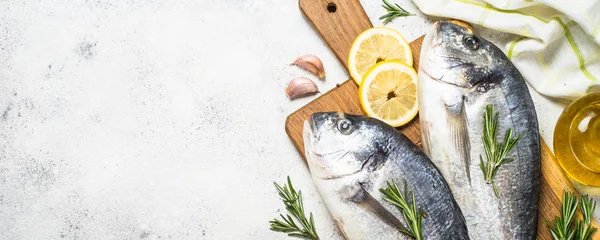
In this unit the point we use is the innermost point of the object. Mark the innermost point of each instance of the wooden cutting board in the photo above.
(339, 22)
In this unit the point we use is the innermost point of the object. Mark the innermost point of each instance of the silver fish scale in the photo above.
(513, 215)
(401, 160)
(412, 165)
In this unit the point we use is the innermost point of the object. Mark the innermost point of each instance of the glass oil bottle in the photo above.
(577, 140)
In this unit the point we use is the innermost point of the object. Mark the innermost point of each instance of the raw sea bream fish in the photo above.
(352, 157)
(460, 74)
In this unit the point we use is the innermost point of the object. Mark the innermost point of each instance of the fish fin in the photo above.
(340, 226)
(370, 204)
(459, 133)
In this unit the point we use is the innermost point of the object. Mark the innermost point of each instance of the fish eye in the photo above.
(344, 126)
(471, 42)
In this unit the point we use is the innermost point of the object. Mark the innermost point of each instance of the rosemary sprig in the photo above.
(394, 11)
(293, 204)
(563, 228)
(495, 152)
(412, 216)
(583, 230)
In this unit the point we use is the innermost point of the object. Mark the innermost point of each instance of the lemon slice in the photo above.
(375, 45)
(389, 93)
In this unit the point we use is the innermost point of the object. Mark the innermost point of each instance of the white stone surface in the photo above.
(159, 119)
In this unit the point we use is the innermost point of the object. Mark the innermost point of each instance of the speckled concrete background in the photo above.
(159, 119)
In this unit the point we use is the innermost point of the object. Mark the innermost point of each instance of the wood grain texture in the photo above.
(344, 98)
(338, 30)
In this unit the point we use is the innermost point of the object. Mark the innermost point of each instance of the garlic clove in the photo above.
(311, 63)
(300, 87)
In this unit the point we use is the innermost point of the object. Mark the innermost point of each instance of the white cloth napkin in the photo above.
(558, 52)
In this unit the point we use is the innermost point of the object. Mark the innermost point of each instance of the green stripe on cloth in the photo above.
(566, 30)
(512, 47)
(556, 74)
(542, 61)
(482, 17)
(571, 23)
(494, 9)
(575, 49)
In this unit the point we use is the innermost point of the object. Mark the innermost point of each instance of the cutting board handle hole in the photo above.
(331, 7)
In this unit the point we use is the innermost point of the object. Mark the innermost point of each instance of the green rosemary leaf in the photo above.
(394, 11)
(412, 214)
(495, 152)
(584, 230)
(292, 201)
(564, 228)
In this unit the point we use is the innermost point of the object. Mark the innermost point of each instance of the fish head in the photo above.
(455, 55)
(339, 145)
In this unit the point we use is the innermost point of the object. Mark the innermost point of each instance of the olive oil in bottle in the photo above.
(577, 140)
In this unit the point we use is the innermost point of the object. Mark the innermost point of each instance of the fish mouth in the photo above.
(429, 75)
(362, 168)
(309, 130)
(322, 155)
(308, 136)
(439, 79)
(312, 123)
(431, 42)
(435, 30)
(447, 69)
